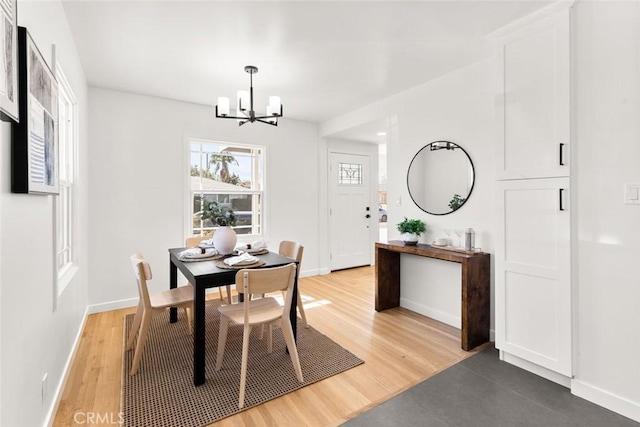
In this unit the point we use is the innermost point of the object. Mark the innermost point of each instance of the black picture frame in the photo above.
(9, 61)
(34, 153)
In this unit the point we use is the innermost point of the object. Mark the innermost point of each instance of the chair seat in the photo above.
(172, 297)
(262, 310)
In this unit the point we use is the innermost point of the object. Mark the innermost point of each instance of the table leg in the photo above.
(173, 283)
(199, 345)
(293, 313)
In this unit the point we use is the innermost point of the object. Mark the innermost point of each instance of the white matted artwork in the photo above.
(9, 60)
(35, 138)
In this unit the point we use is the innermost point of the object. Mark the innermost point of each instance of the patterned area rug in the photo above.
(162, 392)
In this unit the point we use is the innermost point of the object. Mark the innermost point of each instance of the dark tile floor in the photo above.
(483, 391)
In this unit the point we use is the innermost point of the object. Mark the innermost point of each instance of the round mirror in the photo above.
(440, 178)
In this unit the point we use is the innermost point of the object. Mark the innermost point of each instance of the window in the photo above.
(232, 175)
(349, 174)
(65, 202)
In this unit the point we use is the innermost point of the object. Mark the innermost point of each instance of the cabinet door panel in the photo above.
(533, 283)
(533, 105)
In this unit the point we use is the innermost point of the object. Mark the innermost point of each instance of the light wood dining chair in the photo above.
(294, 250)
(192, 242)
(262, 311)
(150, 303)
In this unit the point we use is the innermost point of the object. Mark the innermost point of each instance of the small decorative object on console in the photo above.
(411, 230)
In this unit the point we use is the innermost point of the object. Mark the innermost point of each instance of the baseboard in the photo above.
(314, 272)
(113, 305)
(492, 335)
(613, 402)
(53, 408)
(536, 369)
(433, 313)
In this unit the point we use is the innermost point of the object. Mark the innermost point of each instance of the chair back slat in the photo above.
(193, 241)
(142, 271)
(292, 250)
(266, 280)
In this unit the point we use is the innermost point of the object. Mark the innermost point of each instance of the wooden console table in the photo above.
(475, 302)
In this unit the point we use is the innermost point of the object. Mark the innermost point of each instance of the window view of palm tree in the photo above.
(231, 176)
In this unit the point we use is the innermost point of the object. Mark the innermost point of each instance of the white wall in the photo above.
(138, 181)
(34, 339)
(606, 155)
(457, 107)
(607, 149)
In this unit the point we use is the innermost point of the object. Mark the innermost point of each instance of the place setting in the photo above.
(243, 256)
(199, 254)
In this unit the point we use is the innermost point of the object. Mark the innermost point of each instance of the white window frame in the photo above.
(66, 231)
(262, 193)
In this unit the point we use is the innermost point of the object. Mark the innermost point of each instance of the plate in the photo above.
(221, 264)
(257, 251)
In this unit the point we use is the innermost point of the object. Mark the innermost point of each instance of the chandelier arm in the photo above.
(232, 117)
(267, 122)
(272, 116)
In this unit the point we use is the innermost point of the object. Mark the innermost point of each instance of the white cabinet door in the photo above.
(533, 99)
(533, 283)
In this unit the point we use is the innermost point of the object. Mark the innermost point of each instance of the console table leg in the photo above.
(475, 303)
(387, 279)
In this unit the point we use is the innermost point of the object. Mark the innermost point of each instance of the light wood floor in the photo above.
(400, 348)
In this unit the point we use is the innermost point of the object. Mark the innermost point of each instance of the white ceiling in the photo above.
(323, 58)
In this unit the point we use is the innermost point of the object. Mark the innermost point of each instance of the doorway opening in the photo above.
(383, 216)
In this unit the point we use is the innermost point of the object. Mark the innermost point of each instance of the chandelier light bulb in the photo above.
(223, 106)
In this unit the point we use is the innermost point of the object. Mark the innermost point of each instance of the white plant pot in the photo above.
(224, 240)
(410, 238)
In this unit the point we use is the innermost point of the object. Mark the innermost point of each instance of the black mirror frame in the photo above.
(473, 170)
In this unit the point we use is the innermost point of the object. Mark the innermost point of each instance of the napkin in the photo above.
(206, 243)
(253, 246)
(243, 259)
(195, 253)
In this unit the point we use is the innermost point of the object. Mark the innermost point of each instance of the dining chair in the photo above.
(194, 241)
(149, 303)
(262, 311)
(294, 250)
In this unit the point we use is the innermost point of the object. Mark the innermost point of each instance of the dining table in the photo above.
(205, 274)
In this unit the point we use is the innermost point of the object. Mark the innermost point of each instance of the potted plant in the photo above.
(410, 230)
(224, 238)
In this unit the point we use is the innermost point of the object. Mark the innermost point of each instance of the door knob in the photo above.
(367, 216)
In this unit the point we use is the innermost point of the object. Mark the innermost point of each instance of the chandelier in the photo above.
(245, 112)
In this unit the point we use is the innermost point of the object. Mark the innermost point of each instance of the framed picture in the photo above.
(9, 61)
(34, 154)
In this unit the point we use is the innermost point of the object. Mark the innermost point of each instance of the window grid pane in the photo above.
(65, 201)
(349, 174)
(230, 176)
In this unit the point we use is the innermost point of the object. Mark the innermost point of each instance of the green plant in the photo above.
(218, 214)
(411, 226)
(456, 202)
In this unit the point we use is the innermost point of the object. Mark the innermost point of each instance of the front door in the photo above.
(350, 210)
